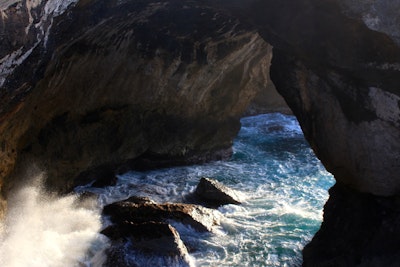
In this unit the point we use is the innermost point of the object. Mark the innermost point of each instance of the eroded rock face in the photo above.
(111, 81)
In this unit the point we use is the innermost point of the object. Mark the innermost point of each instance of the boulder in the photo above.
(214, 193)
(150, 237)
(200, 218)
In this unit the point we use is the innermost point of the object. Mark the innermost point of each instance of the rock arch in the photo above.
(336, 63)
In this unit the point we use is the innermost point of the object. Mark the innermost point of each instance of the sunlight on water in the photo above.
(45, 231)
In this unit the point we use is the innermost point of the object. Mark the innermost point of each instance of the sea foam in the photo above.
(43, 230)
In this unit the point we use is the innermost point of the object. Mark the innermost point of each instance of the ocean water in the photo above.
(282, 184)
(283, 188)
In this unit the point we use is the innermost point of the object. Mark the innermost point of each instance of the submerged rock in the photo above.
(214, 193)
(200, 218)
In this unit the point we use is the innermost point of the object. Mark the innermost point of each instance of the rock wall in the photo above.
(100, 83)
(337, 65)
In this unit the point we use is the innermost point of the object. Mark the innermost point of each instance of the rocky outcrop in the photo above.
(143, 226)
(200, 218)
(212, 193)
(114, 81)
(154, 238)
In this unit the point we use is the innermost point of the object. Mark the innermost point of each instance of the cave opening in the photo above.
(282, 186)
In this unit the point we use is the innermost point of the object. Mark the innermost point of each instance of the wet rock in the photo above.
(116, 256)
(200, 218)
(214, 193)
(152, 238)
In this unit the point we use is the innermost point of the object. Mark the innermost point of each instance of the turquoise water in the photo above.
(283, 185)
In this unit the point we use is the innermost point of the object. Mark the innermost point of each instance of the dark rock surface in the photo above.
(142, 226)
(340, 78)
(149, 237)
(213, 193)
(359, 229)
(115, 81)
(200, 218)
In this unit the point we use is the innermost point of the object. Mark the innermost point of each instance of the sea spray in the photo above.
(41, 230)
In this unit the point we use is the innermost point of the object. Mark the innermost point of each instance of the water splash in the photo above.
(41, 230)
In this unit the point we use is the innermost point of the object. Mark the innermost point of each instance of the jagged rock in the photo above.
(214, 193)
(200, 218)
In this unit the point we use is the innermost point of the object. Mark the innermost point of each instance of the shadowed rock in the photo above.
(352, 215)
(153, 239)
(150, 237)
(200, 218)
(214, 193)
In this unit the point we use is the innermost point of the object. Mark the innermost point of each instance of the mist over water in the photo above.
(41, 230)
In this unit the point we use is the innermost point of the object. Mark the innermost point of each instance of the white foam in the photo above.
(45, 231)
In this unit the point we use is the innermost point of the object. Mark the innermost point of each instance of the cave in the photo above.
(86, 85)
